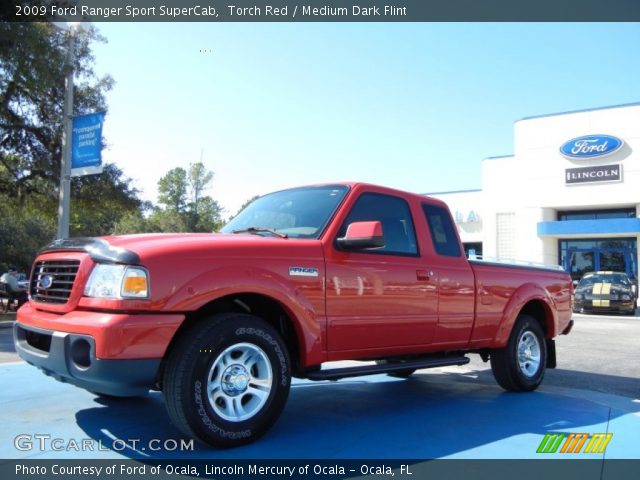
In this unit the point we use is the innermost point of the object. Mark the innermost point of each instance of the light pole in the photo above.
(65, 166)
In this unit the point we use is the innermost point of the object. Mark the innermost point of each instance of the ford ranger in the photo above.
(220, 323)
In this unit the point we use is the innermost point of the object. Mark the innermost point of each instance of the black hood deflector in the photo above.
(98, 249)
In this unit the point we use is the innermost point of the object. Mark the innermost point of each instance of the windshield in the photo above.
(618, 278)
(297, 213)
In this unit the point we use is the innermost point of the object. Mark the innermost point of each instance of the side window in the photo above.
(442, 231)
(395, 216)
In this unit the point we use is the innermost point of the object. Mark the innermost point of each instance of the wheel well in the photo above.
(261, 306)
(540, 311)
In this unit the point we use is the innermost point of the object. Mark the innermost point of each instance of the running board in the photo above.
(338, 373)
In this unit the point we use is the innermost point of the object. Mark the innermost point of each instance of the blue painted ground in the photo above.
(430, 415)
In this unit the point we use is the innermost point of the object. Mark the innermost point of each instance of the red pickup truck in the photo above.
(221, 322)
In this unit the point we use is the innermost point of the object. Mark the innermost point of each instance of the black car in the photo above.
(605, 292)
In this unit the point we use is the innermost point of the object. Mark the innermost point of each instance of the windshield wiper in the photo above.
(258, 230)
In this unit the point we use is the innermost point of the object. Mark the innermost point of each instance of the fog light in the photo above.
(81, 353)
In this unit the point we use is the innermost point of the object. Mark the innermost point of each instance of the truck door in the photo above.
(379, 298)
(456, 284)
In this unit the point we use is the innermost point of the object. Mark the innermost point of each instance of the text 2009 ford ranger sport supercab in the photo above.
(221, 322)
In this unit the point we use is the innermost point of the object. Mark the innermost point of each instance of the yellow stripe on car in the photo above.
(601, 289)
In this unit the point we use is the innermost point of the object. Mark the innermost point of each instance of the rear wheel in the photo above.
(227, 380)
(520, 366)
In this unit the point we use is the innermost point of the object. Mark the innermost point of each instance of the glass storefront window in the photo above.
(612, 261)
(580, 256)
(581, 263)
(597, 214)
(473, 247)
(614, 243)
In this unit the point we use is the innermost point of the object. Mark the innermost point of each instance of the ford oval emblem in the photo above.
(46, 282)
(591, 146)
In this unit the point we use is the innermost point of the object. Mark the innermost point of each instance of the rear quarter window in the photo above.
(443, 235)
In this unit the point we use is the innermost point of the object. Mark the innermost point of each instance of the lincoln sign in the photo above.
(602, 173)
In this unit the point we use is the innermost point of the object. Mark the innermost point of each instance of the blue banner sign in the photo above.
(86, 144)
(591, 146)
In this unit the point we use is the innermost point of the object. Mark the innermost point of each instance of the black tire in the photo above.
(526, 374)
(247, 396)
(400, 374)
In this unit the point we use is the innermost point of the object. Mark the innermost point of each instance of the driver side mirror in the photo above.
(362, 235)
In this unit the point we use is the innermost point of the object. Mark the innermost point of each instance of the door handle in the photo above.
(424, 274)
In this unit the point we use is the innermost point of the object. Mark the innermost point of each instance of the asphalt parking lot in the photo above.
(453, 412)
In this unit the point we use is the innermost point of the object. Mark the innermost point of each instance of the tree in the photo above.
(131, 222)
(172, 190)
(99, 201)
(33, 64)
(167, 221)
(21, 236)
(209, 217)
(186, 209)
(199, 180)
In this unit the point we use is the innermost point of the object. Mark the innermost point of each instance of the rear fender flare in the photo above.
(522, 296)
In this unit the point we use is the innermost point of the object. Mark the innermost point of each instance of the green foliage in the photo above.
(99, 201)
(130, 223)
(172, 189)
(209, 216)
(33, 66)
(199, 180)
(185, 207)
(22, 233)
(167, 221)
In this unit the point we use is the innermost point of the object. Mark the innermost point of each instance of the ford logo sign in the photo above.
(46, 282)
(591, 146)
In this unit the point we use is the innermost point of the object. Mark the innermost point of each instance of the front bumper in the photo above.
(604, 306)
(70, 358)
(111, 353)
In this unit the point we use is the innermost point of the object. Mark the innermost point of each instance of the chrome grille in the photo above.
(52, 280)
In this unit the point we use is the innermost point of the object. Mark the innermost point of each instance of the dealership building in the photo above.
(569, 195)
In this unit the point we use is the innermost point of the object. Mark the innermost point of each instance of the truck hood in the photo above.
(150, 241)
(134, 249)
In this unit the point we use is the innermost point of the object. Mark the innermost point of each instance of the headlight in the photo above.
(625, 296)
(579, 296)
(117, 281)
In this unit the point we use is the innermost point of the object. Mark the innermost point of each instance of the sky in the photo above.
(414, 106)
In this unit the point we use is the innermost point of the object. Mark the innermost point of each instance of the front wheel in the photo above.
(520, 365)
(227, 380)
